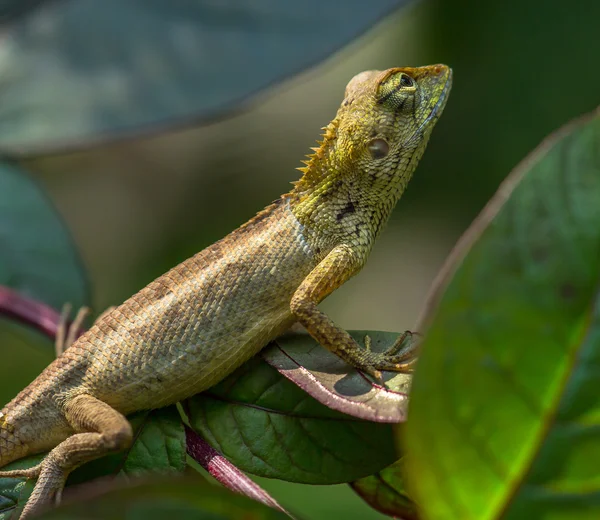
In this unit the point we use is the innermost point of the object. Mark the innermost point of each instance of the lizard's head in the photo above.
(371, 148)
(386, 116)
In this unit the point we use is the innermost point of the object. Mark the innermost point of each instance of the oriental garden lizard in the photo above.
(190, 328)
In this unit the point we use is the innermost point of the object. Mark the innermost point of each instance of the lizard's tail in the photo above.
(11, 447)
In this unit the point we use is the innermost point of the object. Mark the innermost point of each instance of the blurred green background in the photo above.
(136, 208)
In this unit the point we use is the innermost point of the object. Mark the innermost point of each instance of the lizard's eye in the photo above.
(406, 81)
(378, 148)
(396, 90)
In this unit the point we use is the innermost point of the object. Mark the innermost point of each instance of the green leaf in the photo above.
(177, 498)
(386, 492)
(147, 65)
(266, 425)
(159, 444)
(38, 257)
(505, 409)
(337, 385)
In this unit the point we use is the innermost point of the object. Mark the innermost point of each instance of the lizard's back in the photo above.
(183, 332)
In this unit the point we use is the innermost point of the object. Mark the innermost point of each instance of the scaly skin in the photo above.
(194, 325)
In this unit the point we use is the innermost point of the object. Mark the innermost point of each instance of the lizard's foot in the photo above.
(400, 357)
(51, 480)
(66, 333)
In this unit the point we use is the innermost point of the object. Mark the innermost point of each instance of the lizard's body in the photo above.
(194, 325)
(170, 332)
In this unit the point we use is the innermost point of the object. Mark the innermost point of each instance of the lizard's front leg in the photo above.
(101, 430)
(337, 267)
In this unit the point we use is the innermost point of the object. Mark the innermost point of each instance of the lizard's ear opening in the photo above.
(396, 89)
(378, 148)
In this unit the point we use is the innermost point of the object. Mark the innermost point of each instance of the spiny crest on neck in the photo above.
(316, 163)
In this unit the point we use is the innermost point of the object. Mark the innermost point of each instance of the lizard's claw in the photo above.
(373, 372)
(61, 330)
(368, 342)
(400, 357)
(405, 347)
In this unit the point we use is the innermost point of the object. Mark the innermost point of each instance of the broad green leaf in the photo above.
(505, 409)
(386, 492)
(38, 257)
(337, 385)
(143, 66)
(177, 498)
(268, 426)
(159, 443)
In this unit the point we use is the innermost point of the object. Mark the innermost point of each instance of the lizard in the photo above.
(194, 325)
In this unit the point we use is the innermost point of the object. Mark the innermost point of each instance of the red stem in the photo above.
(29, 312)
(225, 472)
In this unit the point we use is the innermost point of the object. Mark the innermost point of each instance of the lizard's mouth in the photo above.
(439, 106)
(436, 111)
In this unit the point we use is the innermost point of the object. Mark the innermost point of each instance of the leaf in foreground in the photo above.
(266, 425)
(142, 66)
(177, 498)
(386, 492)
(505, 408)
(336, 384)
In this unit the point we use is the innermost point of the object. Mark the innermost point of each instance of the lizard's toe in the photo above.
(33, 472)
